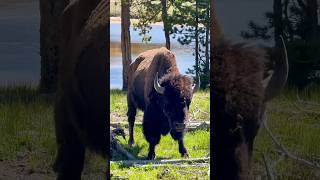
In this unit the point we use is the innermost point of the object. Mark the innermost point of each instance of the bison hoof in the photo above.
(185, 155)
(151, 156)
(131, 143)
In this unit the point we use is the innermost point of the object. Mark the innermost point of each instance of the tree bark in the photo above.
(197, 41)
(166, 25)
(50, 31)
(125, 42)
(207, 66)
(213, 29)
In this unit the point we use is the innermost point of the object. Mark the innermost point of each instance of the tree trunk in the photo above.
(50, 31)
(125, 42)
(207, 42)
(213, 29)
(166, 25)
(197, 41)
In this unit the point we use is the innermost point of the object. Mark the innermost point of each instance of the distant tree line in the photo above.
(297, 21)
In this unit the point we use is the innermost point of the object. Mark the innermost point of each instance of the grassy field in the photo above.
(27, 139)
(28, 148)
(294, 119)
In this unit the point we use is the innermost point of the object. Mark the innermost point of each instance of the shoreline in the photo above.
(117, 20)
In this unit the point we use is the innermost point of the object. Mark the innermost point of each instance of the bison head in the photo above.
(174, 97)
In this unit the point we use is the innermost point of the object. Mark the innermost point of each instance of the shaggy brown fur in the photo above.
(161, 111)
(81, 102)
(237, 107)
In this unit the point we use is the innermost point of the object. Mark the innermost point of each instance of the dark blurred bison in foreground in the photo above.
(81, 98)
(240, 93)
(157, 87)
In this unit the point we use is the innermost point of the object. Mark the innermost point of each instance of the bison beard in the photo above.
(81, 98)
(165, 103)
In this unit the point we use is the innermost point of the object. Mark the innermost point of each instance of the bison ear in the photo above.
(157, 86)
(196, 86)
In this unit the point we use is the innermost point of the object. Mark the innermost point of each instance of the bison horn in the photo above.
(275, 83)
(196, 87)
(157, 86)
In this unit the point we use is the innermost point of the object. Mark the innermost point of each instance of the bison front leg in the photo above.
(182, 149)
(178, 136)
(153, 137)
(153, 141)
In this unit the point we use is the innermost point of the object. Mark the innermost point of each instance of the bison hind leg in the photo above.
(69, 161)
(132, 111)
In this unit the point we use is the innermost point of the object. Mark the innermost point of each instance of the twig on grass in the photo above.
(177, 165)
(306, 102)
(269, 169)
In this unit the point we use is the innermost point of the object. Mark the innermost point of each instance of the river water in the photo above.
(19, 38)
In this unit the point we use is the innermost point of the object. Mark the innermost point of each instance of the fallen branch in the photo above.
(269, 170)
(165, 161)
(178, 165)
(191, 126)
(306, 102)
(284, 150)
(306, 110)
(116, 148)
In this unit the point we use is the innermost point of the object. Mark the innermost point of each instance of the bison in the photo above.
(241, 89)
(81, 98)
(156, 86)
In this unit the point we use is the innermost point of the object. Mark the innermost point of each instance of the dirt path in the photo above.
(17, 170)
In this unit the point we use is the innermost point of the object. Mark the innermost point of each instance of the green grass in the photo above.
(296, 124)
(27, 132)
(197, 144)
(169, 172)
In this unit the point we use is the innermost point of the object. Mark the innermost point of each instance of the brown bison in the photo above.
(81, 98)
(156, 86)
(240, 93)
